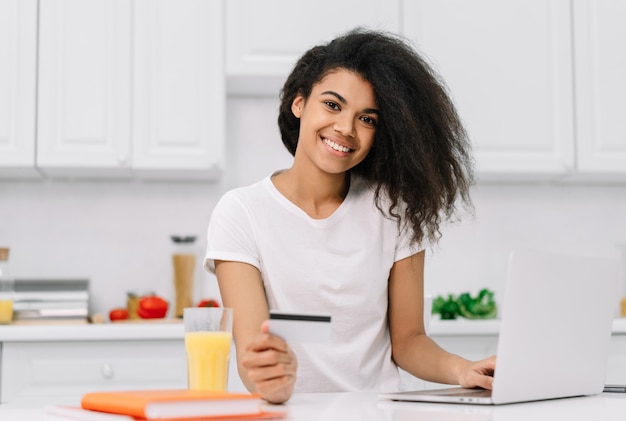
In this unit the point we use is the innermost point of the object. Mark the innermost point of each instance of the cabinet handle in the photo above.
(107, 371)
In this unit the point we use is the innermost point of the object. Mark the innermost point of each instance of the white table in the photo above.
(367, 407)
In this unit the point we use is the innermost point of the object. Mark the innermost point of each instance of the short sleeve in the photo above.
(230, 235)
(404, 246)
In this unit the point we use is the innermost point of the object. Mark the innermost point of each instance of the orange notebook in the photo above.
(175, 404)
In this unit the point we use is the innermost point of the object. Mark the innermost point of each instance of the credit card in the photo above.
(299, 327)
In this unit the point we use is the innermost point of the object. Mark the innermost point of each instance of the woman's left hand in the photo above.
(479, 374)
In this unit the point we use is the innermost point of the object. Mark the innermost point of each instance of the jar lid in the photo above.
(178, 239)
(4, 253)
(140, 293)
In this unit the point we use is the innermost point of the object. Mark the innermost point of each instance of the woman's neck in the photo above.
(319, 196)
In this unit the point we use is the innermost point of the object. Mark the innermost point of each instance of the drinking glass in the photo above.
(208, 335)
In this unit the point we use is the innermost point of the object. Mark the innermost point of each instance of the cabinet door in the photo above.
(49, 369)
(508, 66)
(265, 38)
(178, 84)
(84, 86)
(600, 85)
(18, 50)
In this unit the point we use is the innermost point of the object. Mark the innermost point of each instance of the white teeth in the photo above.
(335, 146)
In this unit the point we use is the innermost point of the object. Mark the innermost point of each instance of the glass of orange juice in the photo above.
(208, 335)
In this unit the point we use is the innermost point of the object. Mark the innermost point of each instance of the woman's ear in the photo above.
(296, 106)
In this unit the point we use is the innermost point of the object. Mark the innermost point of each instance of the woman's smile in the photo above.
(335, 146)
(337, 122)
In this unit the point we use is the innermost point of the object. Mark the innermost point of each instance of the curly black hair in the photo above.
(421, 157)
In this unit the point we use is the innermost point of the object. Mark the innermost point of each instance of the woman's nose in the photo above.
(344, 125)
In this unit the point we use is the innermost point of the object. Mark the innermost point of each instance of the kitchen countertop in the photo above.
(465, 327)
(367, 407)
(92, 332)
(175, 330)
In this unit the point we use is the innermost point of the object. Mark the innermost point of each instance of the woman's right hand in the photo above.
(270, 365)
(265, 362)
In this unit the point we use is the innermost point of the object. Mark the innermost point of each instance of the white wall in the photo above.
(117, 233)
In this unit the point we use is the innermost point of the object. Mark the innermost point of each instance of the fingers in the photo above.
(479, 374)
(265, 340)
(489, 363)
(259, 355)
(275, 383)
(270, 365)
(486, 368)
(265, 326)
(484, 381)
(276, 390)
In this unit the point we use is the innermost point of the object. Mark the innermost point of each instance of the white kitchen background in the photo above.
(535, 80)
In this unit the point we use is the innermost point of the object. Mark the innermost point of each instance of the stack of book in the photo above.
(51, 299)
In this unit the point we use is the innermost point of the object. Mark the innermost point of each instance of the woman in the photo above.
(380, 157)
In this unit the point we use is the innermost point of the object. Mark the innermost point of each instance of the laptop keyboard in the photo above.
(482, 393)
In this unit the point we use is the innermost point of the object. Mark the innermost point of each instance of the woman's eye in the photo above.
(369, 120)
(332, 104)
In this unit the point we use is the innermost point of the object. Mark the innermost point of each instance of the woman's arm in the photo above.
(412, 349)
(266, 364)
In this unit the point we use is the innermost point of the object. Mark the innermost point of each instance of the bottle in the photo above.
(6, 288)
(184, 262)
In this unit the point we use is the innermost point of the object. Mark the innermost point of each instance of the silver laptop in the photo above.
(554, 335)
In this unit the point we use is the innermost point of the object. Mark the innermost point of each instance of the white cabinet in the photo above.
(45, 369)
(18, 58)
(508, 66)
(179, 93)
(124, 87)
(45, 361)
(138, 86)
(265, 38)
(84, 100)
(539, 84)
(600, 63)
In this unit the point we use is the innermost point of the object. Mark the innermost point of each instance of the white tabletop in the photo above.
(174, 330)
(367, 407)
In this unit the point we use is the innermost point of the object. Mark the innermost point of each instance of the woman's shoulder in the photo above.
(247, 196)
(368, 191)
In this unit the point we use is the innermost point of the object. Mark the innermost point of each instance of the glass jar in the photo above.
(7, 288)
(132, 301)
(184, 265)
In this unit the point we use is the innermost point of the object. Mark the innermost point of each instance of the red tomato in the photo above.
(152, 307)
(118, 314)
(208, 303)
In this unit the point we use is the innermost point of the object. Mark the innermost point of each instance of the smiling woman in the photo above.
(338, 124)
(380, 157)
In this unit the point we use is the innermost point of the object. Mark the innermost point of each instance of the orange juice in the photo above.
(207, 360)
(6, 311)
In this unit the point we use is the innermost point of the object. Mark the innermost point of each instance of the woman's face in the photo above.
(337, 122)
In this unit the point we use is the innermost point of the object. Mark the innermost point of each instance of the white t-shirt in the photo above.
(338, 266)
